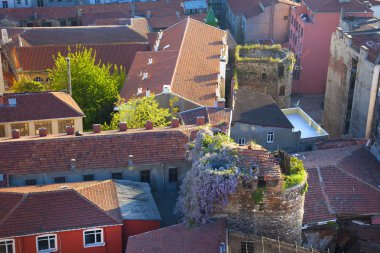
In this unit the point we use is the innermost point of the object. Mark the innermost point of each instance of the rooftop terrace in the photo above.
(304, 123)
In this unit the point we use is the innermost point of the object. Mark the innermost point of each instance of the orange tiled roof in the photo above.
(41, 58)
(58, 207)
(108, 149)
(39, 106)
(194, 48)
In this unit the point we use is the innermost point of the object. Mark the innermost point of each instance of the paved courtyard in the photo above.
(311, 104)
(166, 202)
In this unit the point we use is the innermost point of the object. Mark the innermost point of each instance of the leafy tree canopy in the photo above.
(95, 86)
(137, 111)
(27, 85)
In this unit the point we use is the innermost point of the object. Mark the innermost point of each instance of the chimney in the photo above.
(363, 52)
(166, 89)
(147, 92)
(160, 34)
(224, 39)
(145, 75)
(149, 125)
(73, 164)
(123, 126)
(223, 61)
(130, 160)
(70, 130)
(79, 12)
(222, 247)
(175, 122)
(150, 60)
(220, 103)
(42, 132)
(4, 36)
(96, 128)
(178, 14)
(200, 120)
(15, 134)
(139, 90)
(148, 14)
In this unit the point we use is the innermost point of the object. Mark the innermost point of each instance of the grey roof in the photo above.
(258, 109)
(136, 201)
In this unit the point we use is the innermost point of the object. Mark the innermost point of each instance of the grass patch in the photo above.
(296, 174)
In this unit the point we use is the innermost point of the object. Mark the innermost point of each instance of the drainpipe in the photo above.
(372, 101)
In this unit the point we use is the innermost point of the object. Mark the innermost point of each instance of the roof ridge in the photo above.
(70, 97)
(14, 208)
(96, 206)
(324, 194)
(180, 49)
(92, 185)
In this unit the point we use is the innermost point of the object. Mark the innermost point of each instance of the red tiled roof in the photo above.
(40, 58)
(194, 50)
(336, 6)
(58, 207)
(109, 149)
(73, 35)
(39, 106)
(269, 167)
(217, 117)
(163, 14)
(178, 238)
(341, 181)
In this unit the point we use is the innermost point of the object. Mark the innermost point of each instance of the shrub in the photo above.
(296, 175)
(258, 195)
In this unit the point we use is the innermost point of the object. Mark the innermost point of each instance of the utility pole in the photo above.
(69, 76)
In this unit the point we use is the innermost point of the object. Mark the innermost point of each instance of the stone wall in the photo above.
(278, 215)
(270, 77)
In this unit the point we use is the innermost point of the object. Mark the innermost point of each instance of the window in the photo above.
(5, 4)
(63, 123)
(93, 237)
(263, 76)
(44, 124)
(241, 141)
(285, 17)
(23, 127)
(26, 2)
(145, 176)
(173, 175)
(7, 246)
(117, 175)
(58, 180)
(89, 177)
(246, 247)
(38, 79)
(31, 182)
(281, 70)
(282, 90)
(2, 131)
(270, 137)
(46, 243)
(18, 1)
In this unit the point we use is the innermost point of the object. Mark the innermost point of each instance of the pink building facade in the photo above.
(311, 27)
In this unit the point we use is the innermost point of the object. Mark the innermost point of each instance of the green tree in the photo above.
(27, 85)
(95, 86)
(137, 111)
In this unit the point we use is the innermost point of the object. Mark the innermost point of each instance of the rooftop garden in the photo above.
(293, 170)
(213, 177)
(257, 52)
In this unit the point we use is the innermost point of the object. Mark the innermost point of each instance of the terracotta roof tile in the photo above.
(341, 181)
(40, 58)
(178, 238)
(269, 167)
(48, 210)
(92, 151)
(39, 106)
(73, 35)
(194, 50)
(217, 117)
(248, 8)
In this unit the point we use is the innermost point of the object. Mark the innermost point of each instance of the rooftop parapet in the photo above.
(263, 53)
